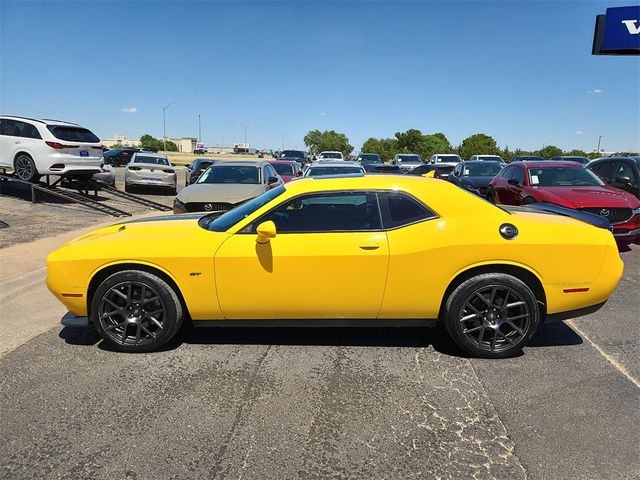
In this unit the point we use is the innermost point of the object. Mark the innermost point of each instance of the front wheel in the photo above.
(136, 311)
(529, 201)
(491, 196)
(492, 315)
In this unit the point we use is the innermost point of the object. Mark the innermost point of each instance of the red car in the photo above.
(569, 185)
(287, 169)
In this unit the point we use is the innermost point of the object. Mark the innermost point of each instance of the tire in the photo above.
(127, 323)
(491, 196)
(487, 313)
(529, 201)
(25, 168)
(128, 188)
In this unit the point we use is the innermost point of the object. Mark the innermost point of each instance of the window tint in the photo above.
(518, 174)
(327, 212)
(73, 134)
(604, 169)
(623, 169)
(14, 128)
(507, 172)
(403, 210)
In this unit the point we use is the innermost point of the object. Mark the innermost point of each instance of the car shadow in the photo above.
(22, 191)
(550, 335)
(150, 190)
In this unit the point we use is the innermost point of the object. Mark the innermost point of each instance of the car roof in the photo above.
(239, 163)
(548, 163)
(150, 154)
(412, 154)
(484, 162)
(339, 163)
(282, 162)
(46, 121)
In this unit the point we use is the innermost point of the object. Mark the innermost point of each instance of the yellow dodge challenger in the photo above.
(362, 250)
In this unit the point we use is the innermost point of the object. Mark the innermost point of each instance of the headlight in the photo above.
(636, 211)
(178, 204)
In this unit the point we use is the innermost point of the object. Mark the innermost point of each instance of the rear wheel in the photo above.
(529, 201)
(491, 196)
(128, 188)
(492, 315)
(25, 168)
(136, 311)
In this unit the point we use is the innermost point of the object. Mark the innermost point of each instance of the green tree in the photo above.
(478, 144)
(147, 141)
(592, 155)
(408, 141)
(432, 144)
(576, 153)
(385, 147)
(549, 151)
(318, 141)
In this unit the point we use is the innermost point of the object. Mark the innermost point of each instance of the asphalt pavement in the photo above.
(377, 403)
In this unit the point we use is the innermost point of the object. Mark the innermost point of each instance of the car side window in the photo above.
(604, 170)
(400, 209)
(11, 128)
(272, 172)
(326, 212)
(518, 174)
(506, 173)
(30, 131)
(623, 169)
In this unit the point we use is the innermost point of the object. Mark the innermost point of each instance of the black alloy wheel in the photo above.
(136, 311)
(25, 169)
(492, 315)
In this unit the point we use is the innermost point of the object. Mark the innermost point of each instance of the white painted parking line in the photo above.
(608, 357)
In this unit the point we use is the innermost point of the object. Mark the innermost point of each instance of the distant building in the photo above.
(120, 139)
(185, 144)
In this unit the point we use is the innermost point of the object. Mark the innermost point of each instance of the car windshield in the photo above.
(409, 158)
(563, 177)
(283, 168)
(369, 158)
(318, 171)
(582, 160)
(151, 160)
(73, 134)
(228, 219)
(230, 174)
(486, 169)
(448, 158)
(331, 155)
(291, 154)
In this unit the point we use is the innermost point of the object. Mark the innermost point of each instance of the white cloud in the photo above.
(322, 114)
(129, 110)
(579, 132)
(596, 90)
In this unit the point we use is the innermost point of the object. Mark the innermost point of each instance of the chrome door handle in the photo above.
(373, 246)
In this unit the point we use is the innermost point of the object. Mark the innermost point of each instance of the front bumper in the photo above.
(70, 320)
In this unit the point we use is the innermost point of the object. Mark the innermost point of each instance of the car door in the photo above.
(499, 184)
(512, 194)
(10, 141)
(455, 176)
(328, 259)
(624, 169)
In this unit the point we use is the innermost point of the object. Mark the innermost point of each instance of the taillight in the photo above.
(135, 168)
(168, 170)
(126, 154)
(59, 146)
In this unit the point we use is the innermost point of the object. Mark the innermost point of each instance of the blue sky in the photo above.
(519, 71)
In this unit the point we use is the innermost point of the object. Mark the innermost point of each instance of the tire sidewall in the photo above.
(459, 295)
(173, 318)
(34, 174)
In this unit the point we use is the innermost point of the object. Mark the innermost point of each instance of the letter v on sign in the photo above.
(631, 26)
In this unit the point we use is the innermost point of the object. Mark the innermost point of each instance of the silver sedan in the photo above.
(150, 170)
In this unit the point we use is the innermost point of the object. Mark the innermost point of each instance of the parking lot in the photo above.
(303, 403)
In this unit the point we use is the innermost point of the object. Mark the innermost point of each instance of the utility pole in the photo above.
(199, 130)
(245, 136)
(164, 125)
(283, 137)
(599, 139)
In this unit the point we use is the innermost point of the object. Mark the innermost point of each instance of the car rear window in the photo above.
(150, 159)
(73, 134)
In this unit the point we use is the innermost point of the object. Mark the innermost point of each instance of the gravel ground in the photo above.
(31, 221)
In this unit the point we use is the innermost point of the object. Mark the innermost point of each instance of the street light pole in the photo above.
(199, 130)
(599, 139)
(245, 137)
(164, 124)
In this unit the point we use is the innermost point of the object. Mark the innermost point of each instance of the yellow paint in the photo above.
(399, 273)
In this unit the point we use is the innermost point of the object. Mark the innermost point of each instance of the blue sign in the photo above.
(621, 28)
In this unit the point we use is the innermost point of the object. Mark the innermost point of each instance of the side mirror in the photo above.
(266, 231)
(272, 180)
(623, 180)
(513, 181)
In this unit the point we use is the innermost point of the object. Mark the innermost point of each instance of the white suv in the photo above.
(47, 147)
(331, 156)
